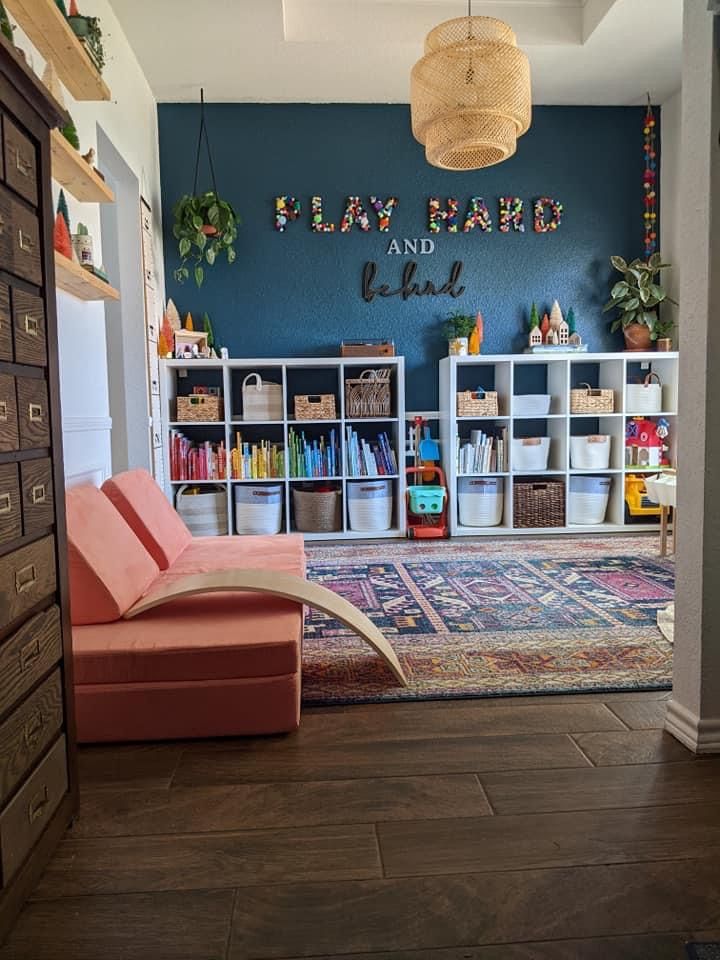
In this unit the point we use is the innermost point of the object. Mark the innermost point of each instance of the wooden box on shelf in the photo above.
(319, 406)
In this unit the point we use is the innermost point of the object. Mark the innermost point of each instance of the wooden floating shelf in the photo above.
(50, 32)
(73, 173)
(74, 279)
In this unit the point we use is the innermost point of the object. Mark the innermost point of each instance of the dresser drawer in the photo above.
(26, 248)
(28, 732)
(6, 348)
(27, 655)
(27, 576)
(9, 435)
(38, 503)
(10, 512)
(33, 413)
(29, 323)
(27, 815)
(20, 162)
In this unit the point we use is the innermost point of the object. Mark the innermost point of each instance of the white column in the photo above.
(694, 711)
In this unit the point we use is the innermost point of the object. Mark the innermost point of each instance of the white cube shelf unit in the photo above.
(513, 375)
(296, 376)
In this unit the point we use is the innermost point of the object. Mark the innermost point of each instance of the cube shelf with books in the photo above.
(577, 431)
(300, 428)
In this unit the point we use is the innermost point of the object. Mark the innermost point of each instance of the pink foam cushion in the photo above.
(109, 568)
(149, 514)
(284, 552)
(216, 637)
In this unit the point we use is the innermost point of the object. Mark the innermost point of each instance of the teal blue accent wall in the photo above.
(298, 293)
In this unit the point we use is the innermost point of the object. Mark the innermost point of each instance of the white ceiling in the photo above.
(581, 51)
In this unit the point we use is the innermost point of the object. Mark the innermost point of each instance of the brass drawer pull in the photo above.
(38, 494)
(32, 325)
(32, 731)
(5, 504)
(26, 578)
(35, 412)
(26, 243)
(29, 654)
(3, 411)
(25, 167)
(38, 804)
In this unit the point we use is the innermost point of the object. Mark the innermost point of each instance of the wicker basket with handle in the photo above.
(368, 395)
(587, 399)
(200, 408)
(318, 406)
(477, 403)
(538, 503)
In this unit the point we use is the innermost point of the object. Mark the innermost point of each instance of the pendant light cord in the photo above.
(203, 132)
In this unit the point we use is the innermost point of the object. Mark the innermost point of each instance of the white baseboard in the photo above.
(700, 736)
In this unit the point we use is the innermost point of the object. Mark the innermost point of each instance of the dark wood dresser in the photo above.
(38, 783)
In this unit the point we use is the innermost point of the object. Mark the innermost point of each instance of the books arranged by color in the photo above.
(483, 453)
(313, 458)
(370, 458)
(196, 461)
(256, 460)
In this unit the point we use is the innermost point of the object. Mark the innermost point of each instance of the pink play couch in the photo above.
(216, 665)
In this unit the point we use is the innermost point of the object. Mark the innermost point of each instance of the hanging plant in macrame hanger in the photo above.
(205, 225)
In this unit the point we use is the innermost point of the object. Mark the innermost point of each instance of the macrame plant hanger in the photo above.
(203, 133)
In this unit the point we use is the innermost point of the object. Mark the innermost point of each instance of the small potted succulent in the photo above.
(205, 227)
(456, 330)
(636, 298)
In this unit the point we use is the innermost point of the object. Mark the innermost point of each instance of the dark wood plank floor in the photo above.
(567, 828)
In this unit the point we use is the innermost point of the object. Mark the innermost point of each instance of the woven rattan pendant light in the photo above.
(470, 94)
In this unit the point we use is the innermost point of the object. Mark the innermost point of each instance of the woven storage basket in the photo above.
(199, 407)
(477, 403)
(587, 399)
(480, 501)
(588, 499)
(538, 503)
(368, 395)
(370, 504)
(644, 397)
(530, 454)
(316, 511)
(204, 512)
(590, 453)
(261, 400)
(318, 406)
(258, 508)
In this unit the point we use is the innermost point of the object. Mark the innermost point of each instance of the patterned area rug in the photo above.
(501, 618)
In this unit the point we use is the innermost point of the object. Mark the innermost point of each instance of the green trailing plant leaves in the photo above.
(192, 213)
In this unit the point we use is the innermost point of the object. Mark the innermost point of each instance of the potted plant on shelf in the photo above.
(456, 330)
(205, 227)
(636, 298)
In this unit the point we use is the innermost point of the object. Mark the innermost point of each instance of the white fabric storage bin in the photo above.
(480, 501)
(590, 453)
(261, 400)
(258, 508)
(644, 397)
(204, 512)
(370, 504)
(588, 499)
(530, 454)
(531, 404)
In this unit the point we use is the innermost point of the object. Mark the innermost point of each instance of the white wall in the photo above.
(130, 122)
(670, 142)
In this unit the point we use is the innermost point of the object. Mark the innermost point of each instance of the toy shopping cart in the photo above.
(427, 504)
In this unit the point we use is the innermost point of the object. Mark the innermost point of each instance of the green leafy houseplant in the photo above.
(637, 296)
(458, 325)
(205, 227)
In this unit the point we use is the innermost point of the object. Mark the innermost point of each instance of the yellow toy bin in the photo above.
(637, 503)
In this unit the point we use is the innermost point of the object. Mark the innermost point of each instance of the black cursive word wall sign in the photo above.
(409, 287)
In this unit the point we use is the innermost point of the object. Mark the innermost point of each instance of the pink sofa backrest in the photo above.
(109, 568)
(149, 515)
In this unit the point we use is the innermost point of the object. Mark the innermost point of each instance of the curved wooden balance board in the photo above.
(285, 585)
